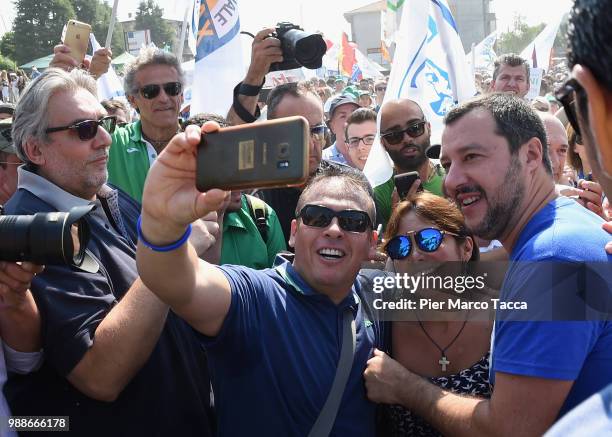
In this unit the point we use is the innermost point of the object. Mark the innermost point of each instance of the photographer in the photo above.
(113, 353)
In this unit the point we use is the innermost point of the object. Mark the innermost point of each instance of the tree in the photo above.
(98, 14)
(38, 27)
(7, 64)
(7, 45)
(149, 16)
(515, 40)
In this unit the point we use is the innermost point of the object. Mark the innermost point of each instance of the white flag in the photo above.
(483, 54)
(219, 63)
(391, 19)
(369, 68)
(109, 84)
(430, 68)
(539, 50)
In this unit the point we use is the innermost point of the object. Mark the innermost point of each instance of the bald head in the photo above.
(557, 144)
(390, 109)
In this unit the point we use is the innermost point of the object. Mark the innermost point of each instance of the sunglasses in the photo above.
(172, 89)
(88, 129)
(350, 220)
(381, 88)
(427, 240)
(567, 96)
(414, 130)
(318, 132)
(368, 140)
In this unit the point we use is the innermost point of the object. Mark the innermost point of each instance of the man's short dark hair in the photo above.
(514, 120)
(203, 117)
(359, 116)
(511, 60)
(294, 89)
(590, 35)
(354, 180)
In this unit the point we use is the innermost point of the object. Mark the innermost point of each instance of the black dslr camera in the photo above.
(52, 238)
(300, 49)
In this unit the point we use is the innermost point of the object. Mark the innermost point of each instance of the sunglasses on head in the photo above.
(567, 96)
(88, 129)
(172, 89)
(350, 220)
(414, 130)
(427, 240)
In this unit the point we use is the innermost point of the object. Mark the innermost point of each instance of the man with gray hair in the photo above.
(114, 356)
(511, 75)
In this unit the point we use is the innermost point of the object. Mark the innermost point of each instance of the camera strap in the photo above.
(241, 111)
(327, 416)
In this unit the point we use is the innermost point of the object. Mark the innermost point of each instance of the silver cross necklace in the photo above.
(443, 361)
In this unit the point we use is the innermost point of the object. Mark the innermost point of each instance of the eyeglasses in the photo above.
(350, 220)
(567, 96)
(381, 88)
(427, 240)
(88, 129)
(172, 89)
(318, 132)
(368, 140)
(414, 130)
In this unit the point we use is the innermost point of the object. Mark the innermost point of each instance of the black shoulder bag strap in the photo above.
(327, 416)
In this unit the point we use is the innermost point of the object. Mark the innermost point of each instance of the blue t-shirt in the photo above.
(561, 238)
(275, 358)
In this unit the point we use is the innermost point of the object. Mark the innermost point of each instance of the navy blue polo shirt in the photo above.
(275, 358)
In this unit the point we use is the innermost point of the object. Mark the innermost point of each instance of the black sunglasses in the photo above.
(567, 96)
(350, 220)
(381, 88)
(428, 240)
(172, 89)
(87, 129)
(318, 132)
(414, 130)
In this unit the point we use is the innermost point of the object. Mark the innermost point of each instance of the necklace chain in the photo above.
(443, 362)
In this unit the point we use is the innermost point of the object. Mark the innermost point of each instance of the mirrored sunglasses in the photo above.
(427, 240)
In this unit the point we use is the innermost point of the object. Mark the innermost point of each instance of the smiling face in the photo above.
(485, 180)
(162, 111)
(359, 155)
(397, 115)
(338, 120)
(329, 258)
(450, 249)
(76, 166)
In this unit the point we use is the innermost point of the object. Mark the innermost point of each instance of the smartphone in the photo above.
(273, 153)
(404, 181)
(77, 38)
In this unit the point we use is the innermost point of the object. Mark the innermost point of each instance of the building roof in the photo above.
(372, 7)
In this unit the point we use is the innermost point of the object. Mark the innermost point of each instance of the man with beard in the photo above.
(494, 151)
(405, 135)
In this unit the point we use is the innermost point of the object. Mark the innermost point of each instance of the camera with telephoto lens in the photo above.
(52, 238)
(300, 49)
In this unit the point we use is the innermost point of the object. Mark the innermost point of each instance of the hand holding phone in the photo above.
(273, 153)
(404, 182)
(77, 38)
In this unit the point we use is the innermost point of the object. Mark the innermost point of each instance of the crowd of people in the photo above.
(250, 313)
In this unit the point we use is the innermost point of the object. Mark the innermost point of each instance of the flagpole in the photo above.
(474, 61)
(181, 43)
(111, 26)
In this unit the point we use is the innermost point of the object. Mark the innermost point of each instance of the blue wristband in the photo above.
(167, 248)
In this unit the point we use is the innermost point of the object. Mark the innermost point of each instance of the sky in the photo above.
(323, 15)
